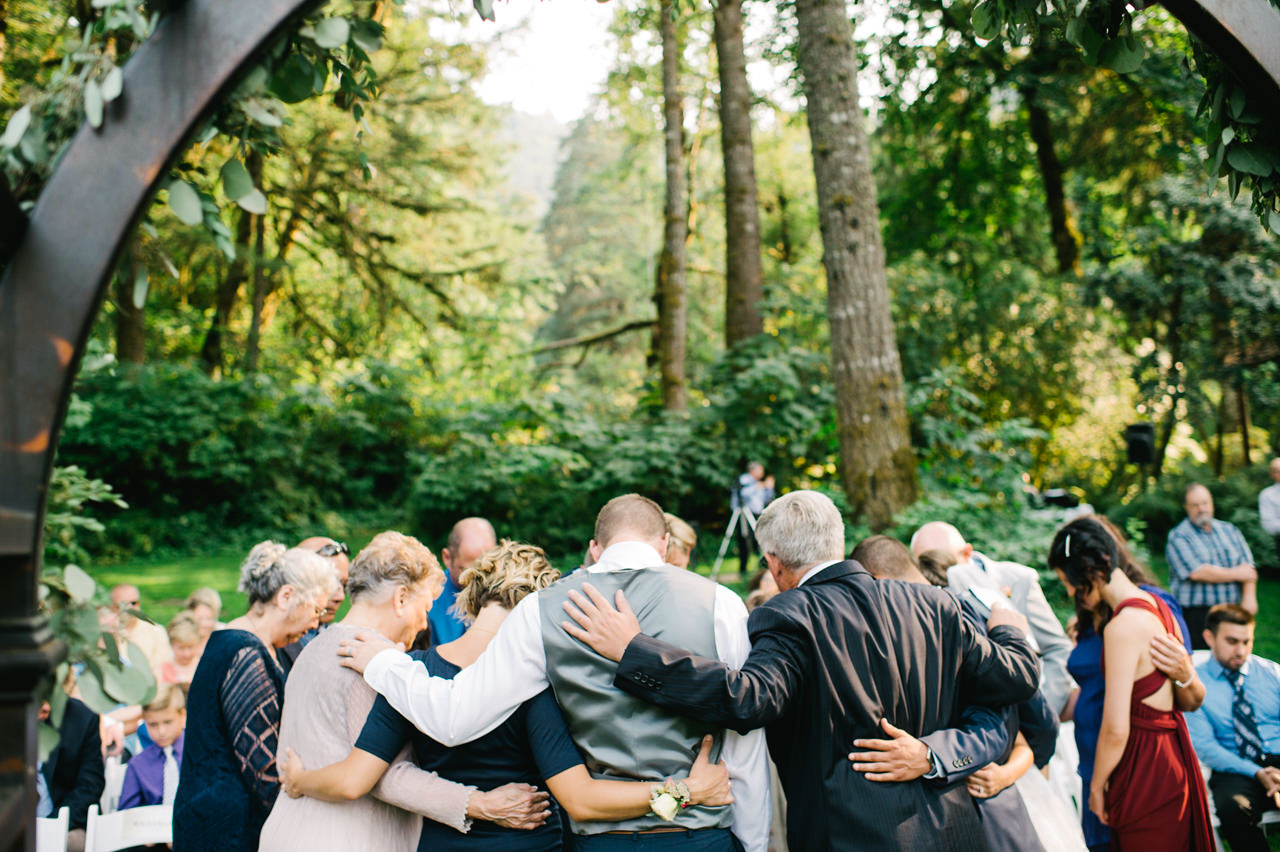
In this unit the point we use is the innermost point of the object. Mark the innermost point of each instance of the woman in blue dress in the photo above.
(1085, 665)
(228, 781)
(533, 746)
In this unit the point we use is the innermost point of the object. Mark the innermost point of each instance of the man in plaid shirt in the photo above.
(1209, 563)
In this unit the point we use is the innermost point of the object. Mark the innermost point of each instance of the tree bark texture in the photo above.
(211, 351)
(878, 467)
(261, 289)
(673, 306)
(131, 319)
(744, 273)
(1066, 240)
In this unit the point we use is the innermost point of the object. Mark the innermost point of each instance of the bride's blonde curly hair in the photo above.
(503, 575)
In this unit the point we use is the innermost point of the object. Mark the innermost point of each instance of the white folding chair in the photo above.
(113, 772)
(51, 833)
(130, 827)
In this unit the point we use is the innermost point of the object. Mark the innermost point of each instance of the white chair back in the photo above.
(131, 827)
(51, 833)
(113, 772)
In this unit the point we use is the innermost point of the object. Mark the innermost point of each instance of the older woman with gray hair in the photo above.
(392, 584)
(228, 779)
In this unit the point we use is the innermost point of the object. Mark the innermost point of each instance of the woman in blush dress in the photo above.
(228, 778)
(392, 583)
(530, 747)
(1146, 785)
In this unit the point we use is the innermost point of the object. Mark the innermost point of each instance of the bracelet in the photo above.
(1189, 681)
(669, 798)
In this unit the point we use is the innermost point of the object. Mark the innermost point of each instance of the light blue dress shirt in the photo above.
(1212, 731)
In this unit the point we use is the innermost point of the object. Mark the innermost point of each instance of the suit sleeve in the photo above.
(1039, 724)
(90, 775)
(981, 737)
(709, 690)
(1000, 668)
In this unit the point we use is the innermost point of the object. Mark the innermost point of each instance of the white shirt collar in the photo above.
(815, 569)
(626, 556)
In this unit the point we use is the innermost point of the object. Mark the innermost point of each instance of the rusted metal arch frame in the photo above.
(50, 293)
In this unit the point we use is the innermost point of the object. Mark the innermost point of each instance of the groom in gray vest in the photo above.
(619, 736)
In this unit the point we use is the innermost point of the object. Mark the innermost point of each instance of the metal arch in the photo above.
(1245, 35)
(50, 293)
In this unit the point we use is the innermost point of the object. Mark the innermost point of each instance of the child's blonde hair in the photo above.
(184, 628)
(168, 697)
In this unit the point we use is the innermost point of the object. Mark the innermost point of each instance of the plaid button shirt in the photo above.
(1189, 547)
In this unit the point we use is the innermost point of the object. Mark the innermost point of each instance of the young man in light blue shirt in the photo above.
(1236, 731)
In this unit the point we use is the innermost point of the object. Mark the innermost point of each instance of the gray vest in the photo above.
(620, 737)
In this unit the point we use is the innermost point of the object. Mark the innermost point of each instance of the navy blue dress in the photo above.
(228, 779)
(532, 745)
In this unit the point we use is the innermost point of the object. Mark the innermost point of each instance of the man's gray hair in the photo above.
(802, 528)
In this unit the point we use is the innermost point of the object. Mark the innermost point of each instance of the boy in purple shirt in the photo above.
(151, 777)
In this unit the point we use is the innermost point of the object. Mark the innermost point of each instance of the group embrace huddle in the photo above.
(635, 705)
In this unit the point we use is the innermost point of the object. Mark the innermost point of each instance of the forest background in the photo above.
(395, 311)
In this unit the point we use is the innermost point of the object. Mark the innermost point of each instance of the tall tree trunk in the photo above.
(1066, 241)
(261, 289)
(878, 467)
(744, 272)
(1174, 380)
(1242, 414)
(228, 293)
(672, 296)
(130, 317)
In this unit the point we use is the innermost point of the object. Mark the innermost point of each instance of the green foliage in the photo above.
(197, 457)
(1242, 145)
(67, 519)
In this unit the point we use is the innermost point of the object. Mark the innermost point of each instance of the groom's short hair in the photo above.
(632, 515)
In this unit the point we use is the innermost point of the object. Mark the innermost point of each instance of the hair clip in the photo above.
(1066, 546)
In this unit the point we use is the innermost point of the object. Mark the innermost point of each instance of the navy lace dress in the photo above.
(228, 780)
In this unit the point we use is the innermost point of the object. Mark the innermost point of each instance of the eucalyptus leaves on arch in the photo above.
(1243, 147)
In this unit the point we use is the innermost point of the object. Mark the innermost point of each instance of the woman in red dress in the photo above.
(1146, 780)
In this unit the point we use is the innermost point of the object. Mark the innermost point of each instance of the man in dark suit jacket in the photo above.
(981, 736)
(832, 655)
(73, 772)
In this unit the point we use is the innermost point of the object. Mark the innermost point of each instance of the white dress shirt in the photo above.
(513, 669)
(1269, 508)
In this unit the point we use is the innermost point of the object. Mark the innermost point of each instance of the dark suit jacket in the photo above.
(986, 735)
(828, 661)
(74, 770)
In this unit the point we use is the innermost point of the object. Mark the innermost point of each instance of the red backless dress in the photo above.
(1156, 799)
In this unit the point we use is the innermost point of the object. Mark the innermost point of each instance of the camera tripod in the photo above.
(741, 515)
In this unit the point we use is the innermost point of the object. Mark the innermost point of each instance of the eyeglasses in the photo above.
(334, 548)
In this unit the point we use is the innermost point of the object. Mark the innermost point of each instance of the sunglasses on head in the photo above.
(334, 548)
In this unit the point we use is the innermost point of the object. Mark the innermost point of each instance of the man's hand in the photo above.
(1004, 614)
(289, 769)
(902, 758)
(1269, 778)
(359, 650)
(515, 805)
(1170, 656)
(111, 734)
(989, 780)
(607, 630)
(708, 782)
